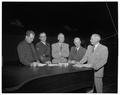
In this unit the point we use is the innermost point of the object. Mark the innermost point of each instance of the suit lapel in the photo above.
(44, 46)
(59, 47)
(97, 48)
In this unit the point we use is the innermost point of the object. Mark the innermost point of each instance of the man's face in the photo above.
(30, 38)
(77, 42)
(43, 37)
(94, 39)
(61, 38)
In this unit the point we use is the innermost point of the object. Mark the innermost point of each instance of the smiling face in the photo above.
(77, 42)
(95, 38)
(30, 38)
(43, 37)
(61, 38)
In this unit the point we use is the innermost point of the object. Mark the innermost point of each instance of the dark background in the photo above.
(71, 18)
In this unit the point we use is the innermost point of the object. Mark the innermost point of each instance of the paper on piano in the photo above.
(40, 65)
(63, 64)
(83, 65)
(78, 65)
(37, 64)
(53, 64)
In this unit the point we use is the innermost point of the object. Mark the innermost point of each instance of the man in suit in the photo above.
(60, 50)
(43, 49)
(96, 57)
(26, 51)
(77, 52)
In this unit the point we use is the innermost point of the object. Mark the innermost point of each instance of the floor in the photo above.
(109, 82)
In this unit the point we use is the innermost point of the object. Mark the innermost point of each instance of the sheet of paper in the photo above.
(53, 64)
(83, 65)
(40, 65)
(63, 63)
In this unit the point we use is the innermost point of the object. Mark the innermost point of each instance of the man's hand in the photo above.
(72, 62)
(37, 61)
(88, 65)
(41, 58)
(48, 62)
(80, 62)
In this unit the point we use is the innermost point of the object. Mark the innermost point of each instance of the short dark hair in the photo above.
(29, 32)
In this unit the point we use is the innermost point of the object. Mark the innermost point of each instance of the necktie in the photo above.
(93, 48)
(60, 47)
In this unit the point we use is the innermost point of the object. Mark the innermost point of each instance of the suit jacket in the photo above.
(26, 52)
(43, 51)
(56, 49)
(98, 58)
(75, 54)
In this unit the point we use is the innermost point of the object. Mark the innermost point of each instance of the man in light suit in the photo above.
(77, 52)
(60, 50)
(96, 57)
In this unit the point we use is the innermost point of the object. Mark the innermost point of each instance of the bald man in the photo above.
(77, 52)
(96, 57)
(60, 50)
(43, 49)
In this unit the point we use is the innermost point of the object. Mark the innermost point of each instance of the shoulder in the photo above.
(89, 46)
(84, 49)
(21, 44)
(73, 47)
(54, 44)
(38, 43)
(103, 46)
(65, 44)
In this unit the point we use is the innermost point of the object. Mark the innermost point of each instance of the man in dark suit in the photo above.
(43, 49)
(77, 52)
(26, 51)
(96, 57)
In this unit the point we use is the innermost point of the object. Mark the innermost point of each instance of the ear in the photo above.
(58, 38)
(26, 37)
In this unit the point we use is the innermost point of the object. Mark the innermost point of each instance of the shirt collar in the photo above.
(96, 45)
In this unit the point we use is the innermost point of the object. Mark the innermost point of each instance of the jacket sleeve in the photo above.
(85, 57)
(101, 59)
